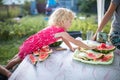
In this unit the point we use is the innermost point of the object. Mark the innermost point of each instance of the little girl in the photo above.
(59, 21)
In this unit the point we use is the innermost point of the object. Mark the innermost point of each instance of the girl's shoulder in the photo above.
(56, 28)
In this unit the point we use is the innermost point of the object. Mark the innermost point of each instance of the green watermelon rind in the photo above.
(56, 44)
(104, 51)
(91, 62)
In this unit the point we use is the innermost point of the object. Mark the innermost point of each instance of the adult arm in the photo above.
(105, 19)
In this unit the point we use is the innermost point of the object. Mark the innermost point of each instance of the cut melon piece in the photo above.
(107, 57)
(94, 56)
(42, 51)
(36, 53)
(104, 48)
(32, 59)
(46, 49)
(43, 56)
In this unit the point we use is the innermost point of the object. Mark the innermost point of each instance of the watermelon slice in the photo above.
(93, 56)
(46, 49)
(36, 53)
(40, 55)
(107, 57)
(104, 48)
(32, 59)
(43, 50)
(43, 56)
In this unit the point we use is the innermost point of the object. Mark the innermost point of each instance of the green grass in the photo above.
(8, 49)
(19, 32)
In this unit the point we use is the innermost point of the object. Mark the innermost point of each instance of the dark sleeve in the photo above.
(116, 2)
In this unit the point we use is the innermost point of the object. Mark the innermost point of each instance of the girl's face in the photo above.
(67, 24)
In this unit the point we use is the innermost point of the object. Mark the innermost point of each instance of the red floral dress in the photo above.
(44, 37)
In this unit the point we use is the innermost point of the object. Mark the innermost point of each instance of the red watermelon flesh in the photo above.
(40, 55)
(91, 55)
(99, 57)
(46, 49)
(43, 56)
(94, 56)
(36, 53)
(103, 45)
(104, 48)
(32, 59)
(106, 57)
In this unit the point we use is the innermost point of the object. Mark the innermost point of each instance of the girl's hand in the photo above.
(73, 49)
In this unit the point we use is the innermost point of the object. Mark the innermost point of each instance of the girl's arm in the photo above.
(68, 38)
(68, 44)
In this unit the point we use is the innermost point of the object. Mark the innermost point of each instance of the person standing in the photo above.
(114, 34)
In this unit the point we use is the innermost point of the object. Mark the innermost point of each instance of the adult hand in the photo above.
(94, 37)
(73, 49)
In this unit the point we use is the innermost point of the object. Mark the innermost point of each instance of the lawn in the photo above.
(13, 33)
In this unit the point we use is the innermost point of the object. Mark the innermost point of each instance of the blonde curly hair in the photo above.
(60, 16)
